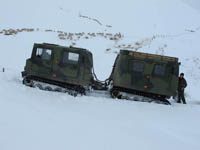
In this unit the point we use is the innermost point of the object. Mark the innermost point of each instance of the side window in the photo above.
(138, 67)
(159, 70)
(44, 54)
(70, 57)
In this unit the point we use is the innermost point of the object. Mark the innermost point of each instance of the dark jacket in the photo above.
(182, 84)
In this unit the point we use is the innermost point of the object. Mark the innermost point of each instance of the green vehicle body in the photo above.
(142, 74)
(59, 64)
(145, 74)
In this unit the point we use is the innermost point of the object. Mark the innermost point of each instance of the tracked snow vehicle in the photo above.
(58, 68)
(152, 77)
(135, 76)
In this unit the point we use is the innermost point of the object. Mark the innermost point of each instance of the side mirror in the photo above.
(179, 63)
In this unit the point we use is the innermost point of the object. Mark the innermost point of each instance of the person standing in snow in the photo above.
(182, 84)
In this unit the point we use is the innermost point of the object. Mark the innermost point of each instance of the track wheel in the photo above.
(48, 88)
(58, 89)
(166, 102)
(39, 86)
(162, 101)
(82, 91)
(27, 82)
(114, 93)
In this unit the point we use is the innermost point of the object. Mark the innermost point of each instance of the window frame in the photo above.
(133, 62)
(156, 71)
(65, 58)
(41, 56)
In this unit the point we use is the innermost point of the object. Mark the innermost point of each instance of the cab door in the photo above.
(161, 79)
(42, 62)
(69, 66)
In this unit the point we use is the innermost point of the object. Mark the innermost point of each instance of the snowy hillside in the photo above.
(34, 119)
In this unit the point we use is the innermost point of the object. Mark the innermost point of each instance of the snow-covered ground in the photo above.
(34, 119)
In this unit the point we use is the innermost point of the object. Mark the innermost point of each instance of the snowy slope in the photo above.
(34, 119)
(46, 120)
(193, 3)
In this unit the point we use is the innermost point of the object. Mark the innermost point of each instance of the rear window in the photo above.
(43, 53)
(138, 67)
(159, 70)
(70, 57)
